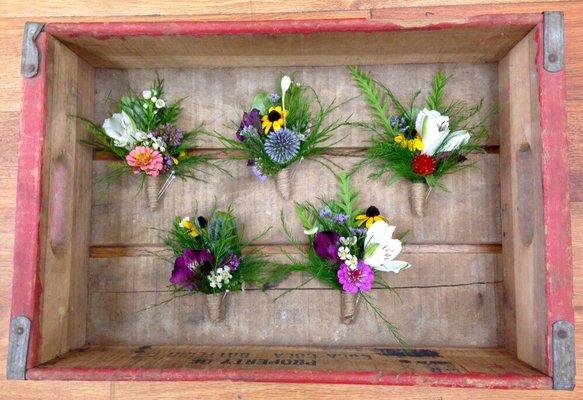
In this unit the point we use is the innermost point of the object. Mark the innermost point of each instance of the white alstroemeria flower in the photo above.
(348, 241)
(344, 253)
(433, 128)
(146, 94)
(352, 262)
(160, 103)
(455, 140)
(120, 128)
(382, 248)
(312, 231)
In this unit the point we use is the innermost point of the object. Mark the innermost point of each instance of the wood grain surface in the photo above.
(14, 13)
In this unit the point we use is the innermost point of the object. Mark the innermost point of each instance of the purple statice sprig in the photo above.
(171, 135)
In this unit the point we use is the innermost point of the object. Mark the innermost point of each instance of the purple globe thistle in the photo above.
(169, 134)
(251, 122)
(282, 145)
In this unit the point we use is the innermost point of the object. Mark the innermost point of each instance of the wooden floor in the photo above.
(13, 13)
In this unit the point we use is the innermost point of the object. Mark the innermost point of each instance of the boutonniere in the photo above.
(142, 134)
(419, 144)
(349, 250)
(281, 129)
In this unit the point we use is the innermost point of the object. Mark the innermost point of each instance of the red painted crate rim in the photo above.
(106, 30)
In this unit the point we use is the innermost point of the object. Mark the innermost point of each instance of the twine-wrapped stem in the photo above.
(216, 306)
(283, 182)
(153, 184)
(418, 195)
(348, 306)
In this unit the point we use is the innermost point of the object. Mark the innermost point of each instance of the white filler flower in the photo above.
(146, 94)
(160, 103)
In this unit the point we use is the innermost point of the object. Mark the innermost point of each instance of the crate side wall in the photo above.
(66, 210)
(522, 205)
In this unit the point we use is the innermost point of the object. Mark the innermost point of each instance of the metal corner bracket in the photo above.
(30, 61)
(554, 41)
(18, 348)
(563, 355)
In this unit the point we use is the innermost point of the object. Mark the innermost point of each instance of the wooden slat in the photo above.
(522, 213)
(65, 227)
(259, 206)
(233, 89)
(440, 292)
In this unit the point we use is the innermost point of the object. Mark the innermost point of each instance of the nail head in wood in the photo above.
(563, 356)
(30, 53)
(554, 53)
(18, 348)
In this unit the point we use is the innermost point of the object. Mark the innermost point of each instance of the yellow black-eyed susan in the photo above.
(274, 120)
(192, 228)
(371, 216)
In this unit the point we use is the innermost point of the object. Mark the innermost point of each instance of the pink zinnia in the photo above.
(353, 280)
(145, 159)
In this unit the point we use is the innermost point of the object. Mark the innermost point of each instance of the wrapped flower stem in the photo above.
(216, 306)
(348, 303)
(282, 182)
(418, 195)
(153, 184)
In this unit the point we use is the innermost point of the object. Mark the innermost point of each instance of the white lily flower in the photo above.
(385, 248)
(312, 231)
(160, 103)
(455, 140)
(120, 128)
(433, 128)
(146, 94)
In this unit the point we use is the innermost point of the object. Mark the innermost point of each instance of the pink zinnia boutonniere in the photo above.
(145, 159)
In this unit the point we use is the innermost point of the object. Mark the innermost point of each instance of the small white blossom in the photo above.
(140, 136)
(344, 253)
(352, 262)
(348, 241)
(154, 98)
(146, 94)
(145, 105)
(312, 231)
(160, 103)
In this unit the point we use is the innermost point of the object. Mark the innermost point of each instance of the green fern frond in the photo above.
(376, 101)
(435, 98)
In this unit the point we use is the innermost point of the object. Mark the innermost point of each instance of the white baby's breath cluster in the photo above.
(151, 95)
(222, 276)
(344, 251)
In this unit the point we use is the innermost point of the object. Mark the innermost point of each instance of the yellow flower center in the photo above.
(143, 158)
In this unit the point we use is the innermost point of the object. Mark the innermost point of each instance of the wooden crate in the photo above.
(487, 303)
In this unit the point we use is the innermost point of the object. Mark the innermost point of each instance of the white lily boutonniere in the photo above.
(380, 249)
(120, 128)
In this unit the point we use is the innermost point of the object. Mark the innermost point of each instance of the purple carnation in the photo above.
(171, 135)
(357, 279)
(252, 119)
(326, 245)
(189, 266)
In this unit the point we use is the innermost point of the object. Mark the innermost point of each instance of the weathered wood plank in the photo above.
(151, 274)
(426, 317)
(65, 225)
(470, 190)
(232, 90)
